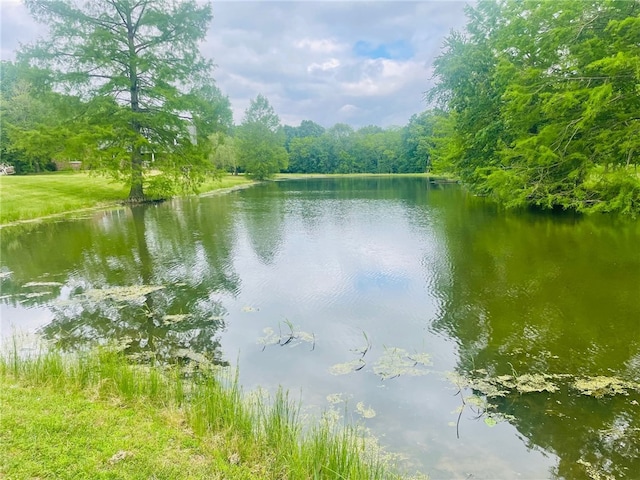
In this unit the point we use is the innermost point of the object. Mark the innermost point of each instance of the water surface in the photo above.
(392, 292)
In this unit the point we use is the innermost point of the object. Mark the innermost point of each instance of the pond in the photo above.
(474, 342)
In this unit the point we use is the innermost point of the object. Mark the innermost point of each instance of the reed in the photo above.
(261, 436)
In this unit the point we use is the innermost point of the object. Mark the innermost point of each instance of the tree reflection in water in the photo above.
(522, 294)
(148, 277)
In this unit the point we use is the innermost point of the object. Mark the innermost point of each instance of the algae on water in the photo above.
(347, 367)
(601, 386)
(397, 361)
(133, 293)
(502, 385)
(291, 336)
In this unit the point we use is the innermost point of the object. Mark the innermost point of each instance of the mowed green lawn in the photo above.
(34, 196)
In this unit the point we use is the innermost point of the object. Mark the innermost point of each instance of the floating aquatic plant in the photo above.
(593, 472)
(601, 386)
(486, 386)
(270, 337)
(347, 367)
(292, 337)
(133, 293)
(397, 361)
(362, 351)
(502, 385)
(528, 383)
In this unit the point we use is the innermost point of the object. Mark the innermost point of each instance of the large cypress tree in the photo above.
(149, 101)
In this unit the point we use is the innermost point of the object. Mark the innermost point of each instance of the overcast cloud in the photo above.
(358, 62)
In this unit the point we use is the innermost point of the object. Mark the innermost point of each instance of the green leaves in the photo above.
(541, 96)
(148, 102)
(260, 141)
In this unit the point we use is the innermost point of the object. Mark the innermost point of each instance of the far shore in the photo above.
(35, 198)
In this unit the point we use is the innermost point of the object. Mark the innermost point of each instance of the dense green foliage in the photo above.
(27, 103)
(260, 141)
(143, 96)
(543, 102)
(370, 149)
(538, 106)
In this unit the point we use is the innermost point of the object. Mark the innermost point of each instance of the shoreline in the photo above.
(114, 205)
(106, 206)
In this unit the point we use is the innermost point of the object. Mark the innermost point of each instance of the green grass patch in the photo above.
(96, 415)
(225, 182)
(27, 197)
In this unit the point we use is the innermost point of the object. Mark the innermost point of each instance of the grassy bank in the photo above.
(97, 416)
(296, 176)
(34, 196)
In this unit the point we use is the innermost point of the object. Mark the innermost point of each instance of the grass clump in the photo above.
(96, 415)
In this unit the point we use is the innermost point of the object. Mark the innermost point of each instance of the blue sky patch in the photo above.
(398, 50)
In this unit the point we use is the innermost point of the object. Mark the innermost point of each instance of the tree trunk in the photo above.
(136, 194)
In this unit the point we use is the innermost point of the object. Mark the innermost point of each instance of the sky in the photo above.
(356, 62)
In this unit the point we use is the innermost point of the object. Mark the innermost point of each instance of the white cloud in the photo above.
(301, 55)
(384, 77)
(330, 64)
(323, 45)
(348, 109)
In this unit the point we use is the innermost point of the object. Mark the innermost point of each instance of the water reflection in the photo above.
(149, 277)
(553, 295)
(394, 264)
(262, 216)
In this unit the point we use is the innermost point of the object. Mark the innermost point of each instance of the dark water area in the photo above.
(476, 343)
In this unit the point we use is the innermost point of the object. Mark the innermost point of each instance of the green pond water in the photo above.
(473, 342)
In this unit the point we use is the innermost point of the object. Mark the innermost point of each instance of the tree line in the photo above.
(541, 104)
(536, 103)
(311, 148)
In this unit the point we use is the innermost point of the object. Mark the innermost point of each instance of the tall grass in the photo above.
(266, 432)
